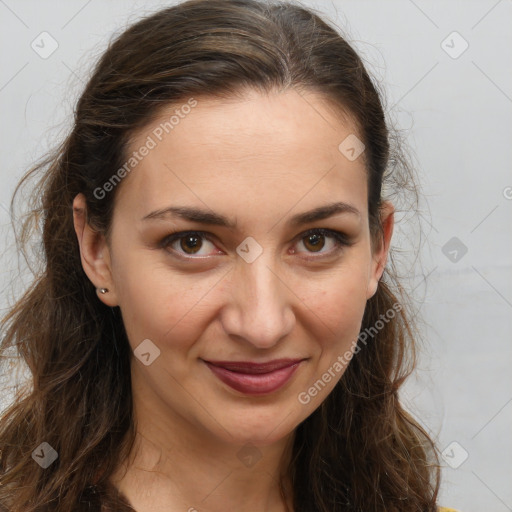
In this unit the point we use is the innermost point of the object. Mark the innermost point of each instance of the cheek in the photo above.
(160, 304)
(342, 298)
(339, 307)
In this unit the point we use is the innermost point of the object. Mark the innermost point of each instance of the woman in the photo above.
(216, 326)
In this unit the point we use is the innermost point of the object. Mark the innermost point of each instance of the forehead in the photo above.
(266, 151)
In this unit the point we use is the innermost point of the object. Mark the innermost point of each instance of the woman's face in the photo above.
(262, 278)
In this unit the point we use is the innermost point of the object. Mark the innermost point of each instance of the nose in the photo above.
(260, 307)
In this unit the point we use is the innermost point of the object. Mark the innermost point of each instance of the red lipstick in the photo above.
(253, 378)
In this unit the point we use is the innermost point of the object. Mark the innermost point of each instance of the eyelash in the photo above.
(339, 238)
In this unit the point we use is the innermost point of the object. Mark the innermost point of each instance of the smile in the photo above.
(254, 378)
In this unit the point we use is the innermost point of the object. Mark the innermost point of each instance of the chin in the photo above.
(259, 427)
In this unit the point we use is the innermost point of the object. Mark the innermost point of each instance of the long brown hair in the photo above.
(360, 450)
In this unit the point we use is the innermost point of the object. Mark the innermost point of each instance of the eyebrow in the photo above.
(211, 218)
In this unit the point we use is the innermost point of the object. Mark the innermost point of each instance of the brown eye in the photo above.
(187, 243)
(191, 243)
(314, 242)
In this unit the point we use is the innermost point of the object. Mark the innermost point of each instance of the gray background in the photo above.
(455, 109)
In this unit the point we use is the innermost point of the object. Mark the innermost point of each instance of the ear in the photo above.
(94, 253)
(380, 252)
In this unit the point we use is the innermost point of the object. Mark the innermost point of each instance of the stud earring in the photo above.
(103, 290)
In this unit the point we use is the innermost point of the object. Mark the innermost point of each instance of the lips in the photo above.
(254, 378)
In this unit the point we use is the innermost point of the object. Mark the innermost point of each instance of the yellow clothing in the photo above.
(444, 509)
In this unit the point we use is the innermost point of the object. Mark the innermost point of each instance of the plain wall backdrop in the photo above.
(445, 67)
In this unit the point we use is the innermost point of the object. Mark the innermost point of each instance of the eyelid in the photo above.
(341, 240)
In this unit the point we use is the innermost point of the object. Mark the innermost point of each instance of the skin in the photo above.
(279, 156)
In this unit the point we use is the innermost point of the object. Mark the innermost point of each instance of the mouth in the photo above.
(253, 378)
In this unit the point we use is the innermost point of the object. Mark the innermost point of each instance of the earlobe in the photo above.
(381, 252)
(94, 253)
